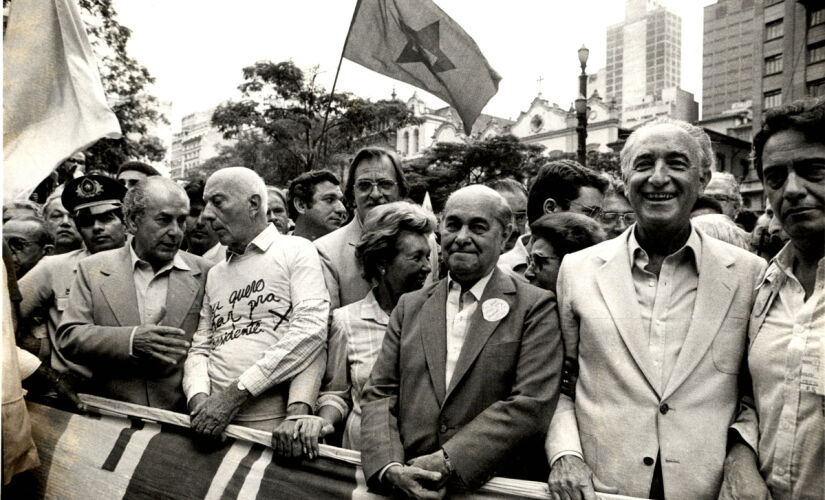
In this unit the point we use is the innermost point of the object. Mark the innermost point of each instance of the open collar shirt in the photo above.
(666, 301)
(786, 359)
(460, 308)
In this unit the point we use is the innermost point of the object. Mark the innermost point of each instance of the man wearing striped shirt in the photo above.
(264, 316)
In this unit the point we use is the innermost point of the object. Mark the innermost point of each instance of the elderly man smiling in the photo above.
(264, 316)
(469, 368)
(657, 320)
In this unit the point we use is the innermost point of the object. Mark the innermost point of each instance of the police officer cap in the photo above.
(97, 193)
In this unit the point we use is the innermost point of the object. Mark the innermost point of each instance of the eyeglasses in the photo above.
(539, 261)
(78, 162)
(365, 186)
(18, 244)
(590, 211)
(612, 217)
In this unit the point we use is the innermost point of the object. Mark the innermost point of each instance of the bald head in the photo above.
(236, 205)
(501, 210)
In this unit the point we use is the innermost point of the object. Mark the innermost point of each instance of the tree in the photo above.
(287, 108)
(603, 162)
(448, 166)
(126, 84)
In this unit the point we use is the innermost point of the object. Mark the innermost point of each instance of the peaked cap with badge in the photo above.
(97, 193)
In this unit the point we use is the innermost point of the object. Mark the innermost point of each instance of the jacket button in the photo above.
(647, 461)
(443, 428)
(664, 409)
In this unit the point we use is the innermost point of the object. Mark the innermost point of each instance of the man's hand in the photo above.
(212, 415)
(196, 403)
(435, 462)
(160, 343)
(415, 482)
(740, 476)
(285, 440)
(571, 478)
(46, 379)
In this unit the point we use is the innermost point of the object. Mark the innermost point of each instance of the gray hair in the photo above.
(272, 190)
(705, 151)
(245, 180)
(726, 181)
(722, 228)
(134, 202)
(501, 211)
(381, 229)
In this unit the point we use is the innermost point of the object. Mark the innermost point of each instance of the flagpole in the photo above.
(323, 139)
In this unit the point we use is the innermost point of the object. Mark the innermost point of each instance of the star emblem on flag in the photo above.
(424, 46)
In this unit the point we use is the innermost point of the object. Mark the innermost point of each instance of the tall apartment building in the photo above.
(643, 54)
(196, 142)
(727, 57)
(789, 53)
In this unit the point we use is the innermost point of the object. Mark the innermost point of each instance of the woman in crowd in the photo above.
(394, 255)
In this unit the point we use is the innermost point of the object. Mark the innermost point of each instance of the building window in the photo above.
(415, 141)
(817, 17)
(816, 53)
(406, 143)
(774, 29)
(773, 64)
(720, 162)
(816, 88)
(772, 99)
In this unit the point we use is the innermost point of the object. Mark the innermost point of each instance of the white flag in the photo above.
(53, 101)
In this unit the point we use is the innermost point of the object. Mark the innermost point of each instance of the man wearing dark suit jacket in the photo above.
(469, 366)
(132, 311)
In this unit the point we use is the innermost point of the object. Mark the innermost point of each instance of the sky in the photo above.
(196, 48)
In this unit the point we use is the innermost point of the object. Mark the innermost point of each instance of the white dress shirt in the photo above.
(460, 308)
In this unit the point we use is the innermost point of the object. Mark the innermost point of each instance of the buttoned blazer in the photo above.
(626, 417)
(96, 327)
(492, 417)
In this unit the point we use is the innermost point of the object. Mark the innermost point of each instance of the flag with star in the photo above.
(416, 42)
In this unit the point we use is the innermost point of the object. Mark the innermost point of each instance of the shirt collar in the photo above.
(476, 290)
(692, 248)
(783, 263)
(177, 261)
(262, 242)
(371, 309)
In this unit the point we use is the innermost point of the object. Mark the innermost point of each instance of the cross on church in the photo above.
(540, 79)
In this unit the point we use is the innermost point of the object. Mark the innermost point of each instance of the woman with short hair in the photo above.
(394, 255)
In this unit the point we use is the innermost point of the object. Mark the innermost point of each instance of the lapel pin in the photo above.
(494, 309)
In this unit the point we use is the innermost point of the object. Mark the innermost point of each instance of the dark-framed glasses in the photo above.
(18, 244)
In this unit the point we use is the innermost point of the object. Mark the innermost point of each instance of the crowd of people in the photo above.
(641, 335)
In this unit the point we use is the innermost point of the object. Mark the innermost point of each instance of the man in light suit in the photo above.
(132, 311)
(657, 320)
(468, 369)
(374, 178)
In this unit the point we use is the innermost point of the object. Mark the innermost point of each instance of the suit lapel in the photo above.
(118, 289)
(714, 294)
(479, 329)
(616, 285)
(433, 328)
(182, 291)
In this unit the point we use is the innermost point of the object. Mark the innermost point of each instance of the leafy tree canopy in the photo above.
(285, 108)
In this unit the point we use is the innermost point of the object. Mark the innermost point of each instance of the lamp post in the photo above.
(581, 107)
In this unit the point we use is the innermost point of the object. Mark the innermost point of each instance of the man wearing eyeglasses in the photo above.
(374, 178)
(656, 320)
(94, 205)
(559, 186)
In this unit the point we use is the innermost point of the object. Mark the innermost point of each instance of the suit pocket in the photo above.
(729, 346)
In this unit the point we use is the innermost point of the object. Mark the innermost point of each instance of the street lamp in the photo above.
(581, 107)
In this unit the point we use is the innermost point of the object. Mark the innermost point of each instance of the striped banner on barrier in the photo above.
(120, 450)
